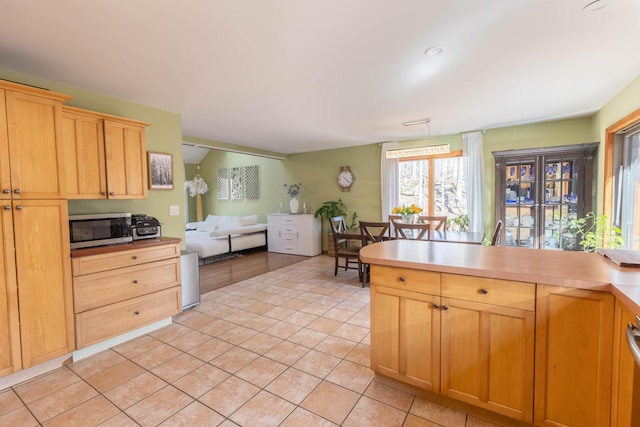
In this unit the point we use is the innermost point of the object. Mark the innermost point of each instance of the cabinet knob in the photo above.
(484, 291)
(111, 193)
(135, 282)
(18, 207)
(104, 193)
(402, 279)
(17, 191)
(137, 313)
(6, 191)
(445, 307)
(135, 257)
(436, 306)
(7, 207)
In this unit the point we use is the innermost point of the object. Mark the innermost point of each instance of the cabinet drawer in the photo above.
(406, 279)
(109, 321)
(106, 287)
(115, 260)
(507, 293)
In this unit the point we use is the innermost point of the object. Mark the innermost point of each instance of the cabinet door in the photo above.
(44, 279)
(623, 398)
(126, 160)
(9, 328)
(34, 127)
(405, 336)
(5, 173)
(487, 356)
(574, 341)
(84, 163)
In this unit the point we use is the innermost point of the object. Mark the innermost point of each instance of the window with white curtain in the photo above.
(626, 196)
(436, 183)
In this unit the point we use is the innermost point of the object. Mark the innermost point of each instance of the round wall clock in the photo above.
(345, 178)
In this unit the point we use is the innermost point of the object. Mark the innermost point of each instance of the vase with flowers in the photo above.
(293, 190)
(196, 188)
(408, 212)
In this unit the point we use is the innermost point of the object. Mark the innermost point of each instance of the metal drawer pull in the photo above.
(135, 257)
(135, 282)
(19, 207)
(484, 291)
(137, 313)
(7, 207)
(17, 191)
(633, 340)
(6, 191)
(402, 279)
(436, 306)
(445, 307)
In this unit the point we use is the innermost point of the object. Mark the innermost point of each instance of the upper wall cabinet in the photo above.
(105, 156)
(540, 191)
(30, 143)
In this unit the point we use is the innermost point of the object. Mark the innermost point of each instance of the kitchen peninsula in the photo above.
(532, 335)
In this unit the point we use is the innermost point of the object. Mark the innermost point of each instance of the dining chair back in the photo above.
(346, 247)
(412, 231)
(437, 222)
(372, 232)
(496, 234)
(392, 229)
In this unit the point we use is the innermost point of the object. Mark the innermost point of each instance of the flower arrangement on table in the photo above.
(293, 189)
(407, 212)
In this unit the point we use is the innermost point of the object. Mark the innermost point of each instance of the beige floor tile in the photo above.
(9, 401)
(234, 360)
(351, 332)
(301, 318)
(264, 409)
(136, 346)
(338, 314)
(317, 363)
(335, 346)
(330, 401)
(282, 330)
(478, 422)
(261, 371)
(194, 415)
(199, 381)
(156, 408)
(279, 313)
(18, 417)
(295, 304)
(360, 319)
(96, 363)
(119, 420)
(134, 390)
(302, 417)
(169, 333)
(189, 340)
(413, 421)
(240, 317)
(176, 368)
(237, 335)
(287, 352)
(437, 413)
(61, 400)
(314, 308)
(45, 384)
(324, 325)
(90, 413)
(260, 307)
(351, 376)
(115, 375)
(371, 412)
(351, 305)
(390, 395)
(229, 395)
(360, 354)
(293, 385)
(217, 327)
(210, 349)
(307, 337)
(261, 343)
(155, 356)
(260, 323)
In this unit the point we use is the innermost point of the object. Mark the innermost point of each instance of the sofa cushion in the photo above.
(192, 225)
(248, 220)
(229, 222)
(207, 226)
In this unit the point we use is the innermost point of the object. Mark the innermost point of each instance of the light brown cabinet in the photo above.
(36, 306)
(477, 347)
(105, 156)
(116, 292)
(574, 341)
(625, 395)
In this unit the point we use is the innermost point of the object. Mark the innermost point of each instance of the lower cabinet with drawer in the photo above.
(296, 234)
(467, 338)
(117, 292)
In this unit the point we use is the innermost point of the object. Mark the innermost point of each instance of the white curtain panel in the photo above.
(389, 174)
(474, 169)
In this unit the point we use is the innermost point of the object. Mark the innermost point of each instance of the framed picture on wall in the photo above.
(160, 170)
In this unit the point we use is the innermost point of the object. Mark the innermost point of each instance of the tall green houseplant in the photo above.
(594, 232)
(333, 208)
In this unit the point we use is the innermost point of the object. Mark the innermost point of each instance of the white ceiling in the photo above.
(300, 75)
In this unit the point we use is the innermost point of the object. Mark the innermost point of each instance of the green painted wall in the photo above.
(164, 135)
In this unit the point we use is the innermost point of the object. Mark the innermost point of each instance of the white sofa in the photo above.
(218, 235)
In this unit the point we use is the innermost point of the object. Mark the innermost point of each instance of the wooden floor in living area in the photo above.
(250, 264)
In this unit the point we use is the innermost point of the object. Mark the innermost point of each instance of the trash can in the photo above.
(190, 279)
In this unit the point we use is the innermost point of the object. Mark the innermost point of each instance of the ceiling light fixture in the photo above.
(428, 150)
(417, 122)
(434, 51)
(596, 5)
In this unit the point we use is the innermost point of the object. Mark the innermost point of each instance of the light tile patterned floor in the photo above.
(288, 348)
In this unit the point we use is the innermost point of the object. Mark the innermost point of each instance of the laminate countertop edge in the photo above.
(580, 270)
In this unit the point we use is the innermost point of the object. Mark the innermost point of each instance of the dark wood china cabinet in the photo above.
(540, 191)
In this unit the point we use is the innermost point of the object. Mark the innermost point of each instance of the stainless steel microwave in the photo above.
(90, 230)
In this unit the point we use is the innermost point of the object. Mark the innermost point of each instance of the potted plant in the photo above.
(594, 232)
(333, 208)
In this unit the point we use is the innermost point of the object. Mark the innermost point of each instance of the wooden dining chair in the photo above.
(372, 232)
(437, 222)
(496, 234)
(412, 231)
(345, 247)
(392, 230)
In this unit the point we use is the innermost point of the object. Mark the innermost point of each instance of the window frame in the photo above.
(430, 176)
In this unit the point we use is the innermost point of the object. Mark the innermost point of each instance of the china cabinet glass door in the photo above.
(520, 203)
